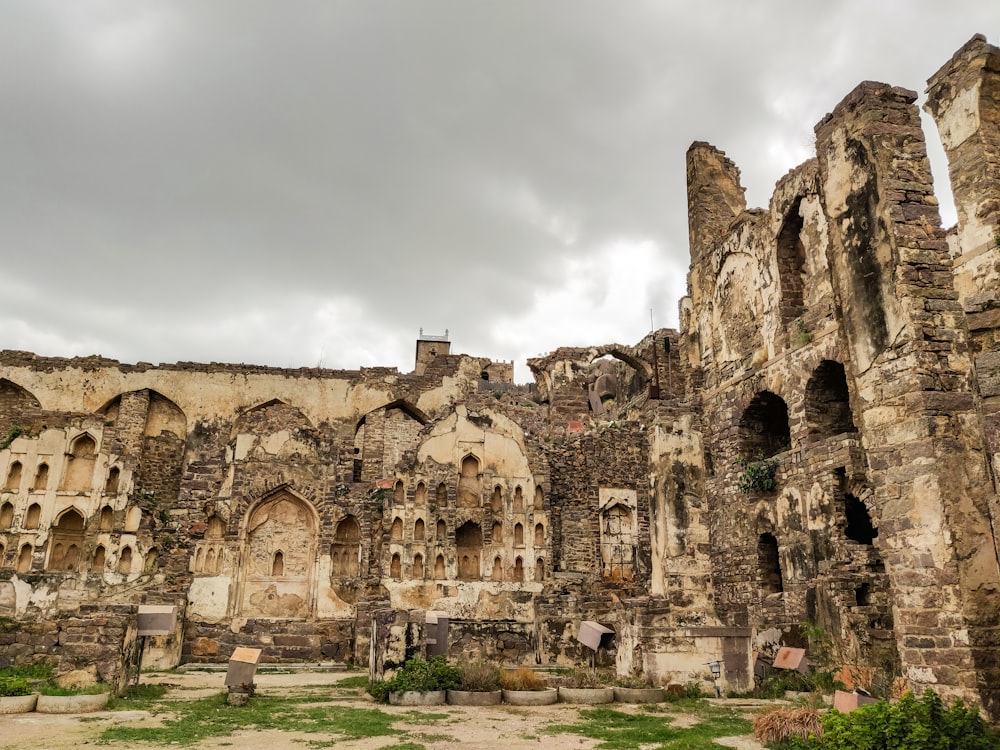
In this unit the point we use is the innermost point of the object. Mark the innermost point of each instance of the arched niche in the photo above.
(419, 532)
(497, 572)
(396, 530)
(469, 483)
(859, 527)
(125, 560)
(518, 500)
(346, 549)
(469, 550)
(439, 570)
(496, 501)
(763, 428)
(398, 493)
(13, 481)
(107, 519)
(539, 535)
(66, 541)
(518, 535)
(215, 528)
(441, 495)
(111, 484)
(540, 569)
(827, 402)
(41, 480)
(133, 519)
(80, 461)
(441, 531)
(24, 558)
(32, 519)
(769, 565)
(6, 515)
(618, 541)
(281, 522)
(99, 562)
(418, 566)
(420, 495)
(791, 258)
(395, 566)
(539, 498)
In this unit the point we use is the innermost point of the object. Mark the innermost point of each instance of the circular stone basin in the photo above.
(71, 704)
(589, 696)
(18, 704)
(531, 697)
(417, 698)
(639, 695)
(474, 697)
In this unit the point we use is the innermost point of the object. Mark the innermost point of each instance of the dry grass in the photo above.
(783, 723)
(522, 678)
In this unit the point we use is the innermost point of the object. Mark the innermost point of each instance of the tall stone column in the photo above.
(921, 424)
(964, 98)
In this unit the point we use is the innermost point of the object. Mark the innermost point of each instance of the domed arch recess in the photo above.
(280, 521)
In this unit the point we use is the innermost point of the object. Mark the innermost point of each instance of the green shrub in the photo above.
(420, 675)
(909, 724)
(14, 686)
(757, 476)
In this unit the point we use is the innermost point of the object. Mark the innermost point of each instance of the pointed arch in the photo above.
(496, 502)
(41, 476)
(398, 493)
(539, 498)
(13, 481)
(281, 521)
(14, 398)
(66, 541)
(769, 565)
(439, 570)
(497, 532)
(125, 560)
(419, 531)
(441, 495)
(216, 528)
(539, 535)
(107, 519)
(32, 519)
(345, 553)
(100, 559)
(540, 569)
(6, 515)
(519, 569)
(763, 427)
(497, 573)
(111, 485)
(418, 566)
(80, 462)
(420, 495)
(24, 558)
(395, 566)
(396, 530)
(518, 501)
(469, 548)
(518, 535)
(441, 531)
(469, 483)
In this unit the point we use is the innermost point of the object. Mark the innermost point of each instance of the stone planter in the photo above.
(475, 697)
(531, 697)
(18, 704)
(590, 696)
(71, 704)
(639, 695)
(417, 698)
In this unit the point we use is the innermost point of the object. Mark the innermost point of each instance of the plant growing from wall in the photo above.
(758, 475)
(802, 334)
(15, 432)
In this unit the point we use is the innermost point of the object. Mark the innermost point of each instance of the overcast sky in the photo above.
(304, 183)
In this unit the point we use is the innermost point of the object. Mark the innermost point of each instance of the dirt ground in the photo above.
(514, 728)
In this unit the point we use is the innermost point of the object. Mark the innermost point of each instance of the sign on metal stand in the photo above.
(153, 619)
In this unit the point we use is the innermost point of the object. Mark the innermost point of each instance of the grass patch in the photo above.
(192, 722)
(357, 681)
(616, 730)
(137, 697)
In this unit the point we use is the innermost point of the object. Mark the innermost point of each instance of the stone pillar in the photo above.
(715, 196)
(964, 98)
(920, 420)
(130, 427)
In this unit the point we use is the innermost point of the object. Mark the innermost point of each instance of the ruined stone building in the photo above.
(819, 442)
